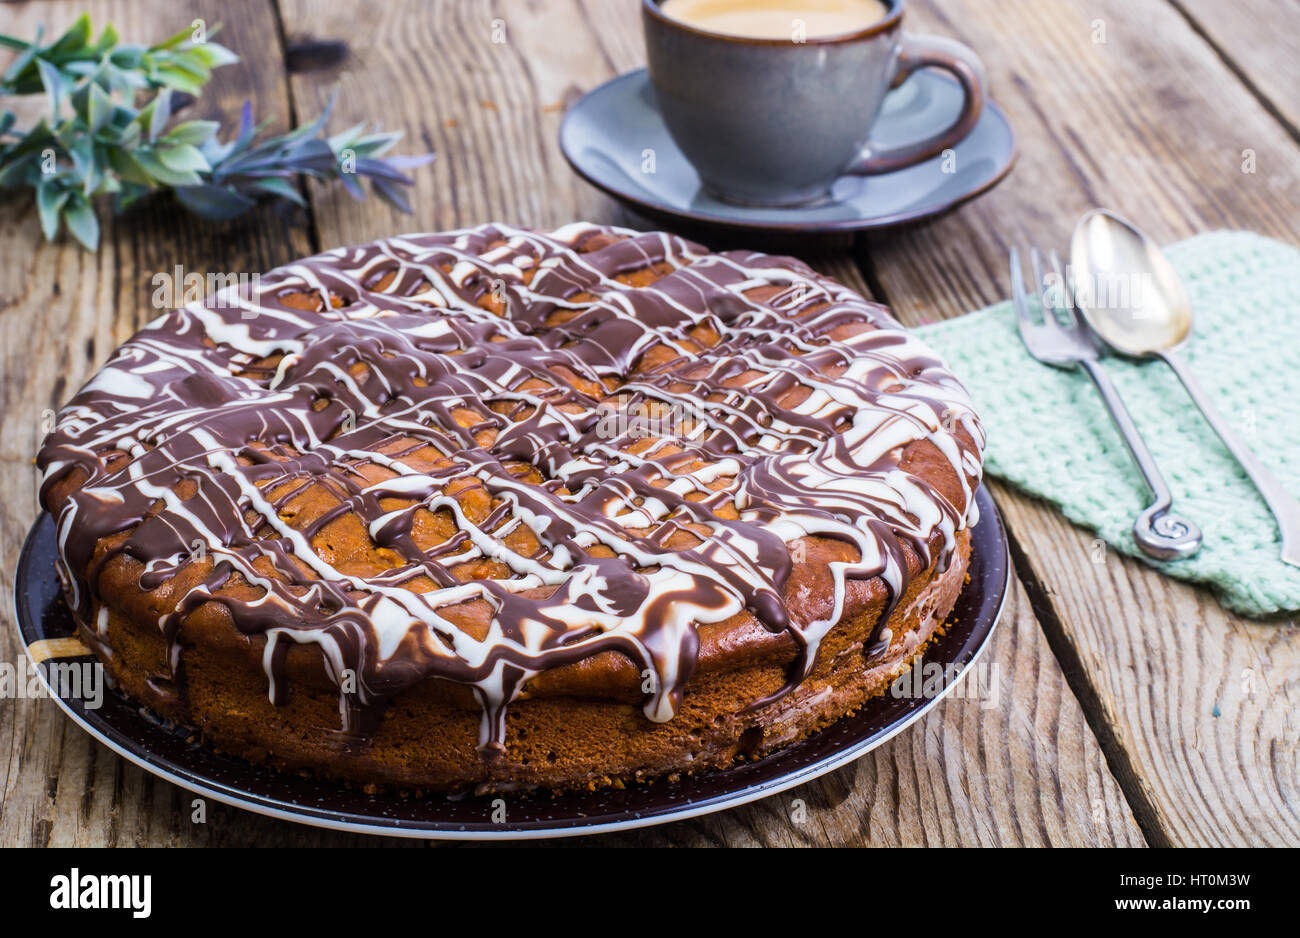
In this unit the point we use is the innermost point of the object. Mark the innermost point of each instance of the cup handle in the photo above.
(929, 52)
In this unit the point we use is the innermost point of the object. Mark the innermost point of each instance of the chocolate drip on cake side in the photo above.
(599, 439)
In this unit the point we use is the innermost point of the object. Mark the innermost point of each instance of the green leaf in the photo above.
(75, 39)
(183, 159)
(281, 187)
(171, 77)
(107, 40)
(25, 58)
(109, 185)
(39, 136)
(100, 110)
(93, 177)
(129, 168)
(50, 199)
(127, 58)
(174, 40)
(99, 73)
(161, 173)
(82, 150)
(192, 63)
(130, 136)
(215, 55)
(13, 42)
(160, 113)
(346, 137)
(196, 133)
(52, 81)
(22, 172)
(83, 224)
(80, 100)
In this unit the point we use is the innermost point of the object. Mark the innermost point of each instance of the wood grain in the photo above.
(1197, 706)
(1259, 40)
(62, 311)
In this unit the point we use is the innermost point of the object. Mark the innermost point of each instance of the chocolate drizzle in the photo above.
(549, 446)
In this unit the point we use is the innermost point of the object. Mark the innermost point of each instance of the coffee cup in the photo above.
(774, 120)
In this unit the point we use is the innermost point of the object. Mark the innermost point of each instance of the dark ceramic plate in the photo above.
(133, 733)
(610, 133)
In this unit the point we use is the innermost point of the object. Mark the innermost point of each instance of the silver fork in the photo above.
(1158, 531)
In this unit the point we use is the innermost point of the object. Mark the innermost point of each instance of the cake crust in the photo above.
(498, 508)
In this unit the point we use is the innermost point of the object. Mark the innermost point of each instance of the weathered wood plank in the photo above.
(1029, 771)
(1151, 123)
(62, 311)
(1260, 42)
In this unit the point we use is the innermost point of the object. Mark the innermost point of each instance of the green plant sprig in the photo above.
(96, 142)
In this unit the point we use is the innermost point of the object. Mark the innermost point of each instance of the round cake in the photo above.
(496, 509)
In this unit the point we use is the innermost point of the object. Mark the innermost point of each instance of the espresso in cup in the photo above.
(773, 100)
(777, 19)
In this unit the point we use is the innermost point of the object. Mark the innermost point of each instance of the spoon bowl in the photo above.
(1126, 288)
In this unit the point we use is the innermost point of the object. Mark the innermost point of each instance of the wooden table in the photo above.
(1133, 709)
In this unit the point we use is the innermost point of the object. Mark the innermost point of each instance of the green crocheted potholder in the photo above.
(1050, 435)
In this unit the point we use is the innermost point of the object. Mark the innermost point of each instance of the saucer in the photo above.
(615, 138)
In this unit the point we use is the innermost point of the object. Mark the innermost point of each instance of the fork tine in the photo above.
(1018, 297)
(1067, 294)
(1080, 329)
(1044, 291)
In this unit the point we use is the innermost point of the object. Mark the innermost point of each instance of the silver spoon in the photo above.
(1132, 298)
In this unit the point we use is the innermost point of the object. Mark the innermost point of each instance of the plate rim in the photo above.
(661, 212)
(319, 818)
